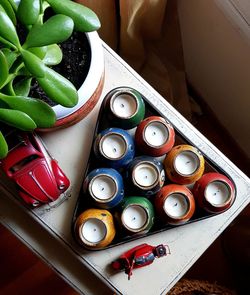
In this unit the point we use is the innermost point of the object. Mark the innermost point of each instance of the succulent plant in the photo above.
(22, 62)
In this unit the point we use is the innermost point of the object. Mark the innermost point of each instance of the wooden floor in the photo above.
(23, 273)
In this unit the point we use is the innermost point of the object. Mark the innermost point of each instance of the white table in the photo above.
(49, 235)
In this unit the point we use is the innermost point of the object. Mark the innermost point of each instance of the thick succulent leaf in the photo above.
(42, 114)
(4, 69)
(39, 51)
(3, 105)
(85, 19)
(58, 88)
(17, 119)
(10, 56)
(6, 43)
(23, 72)
(33, 64)
(45, 5)
(22, 87)
(14, 4)
(7, 28)
(9, 10)
(56, 29)
(53, 55)
(8, 89)
(3, 146)
(28, 11)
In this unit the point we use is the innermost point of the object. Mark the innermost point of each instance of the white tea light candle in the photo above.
(124, 105)
(217, 193)
(103, 187)
(186, 163)
(176, 205)
(134, 217)
(93, 231)
(156, 134)
(113, 146)
(145, 175)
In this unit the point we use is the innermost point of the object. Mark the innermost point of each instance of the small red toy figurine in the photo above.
(139, 256)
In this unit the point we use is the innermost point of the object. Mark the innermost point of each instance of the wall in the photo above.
(217, 60)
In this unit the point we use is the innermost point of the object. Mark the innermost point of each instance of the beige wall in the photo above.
(217, 60)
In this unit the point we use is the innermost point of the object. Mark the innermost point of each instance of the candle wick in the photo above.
(214, 194)
(154, 133)
(94, 229)
(218, 191)
(122, 105)
(187, 162)
(175, 204)
(102, 189)
(133, 218)
(145, 176)
(114, 149)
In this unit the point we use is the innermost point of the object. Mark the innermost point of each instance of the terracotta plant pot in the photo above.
(89, 92)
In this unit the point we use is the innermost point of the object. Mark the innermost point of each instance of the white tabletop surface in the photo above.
(49, 235)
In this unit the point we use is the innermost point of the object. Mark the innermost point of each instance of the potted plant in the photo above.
(32, 34)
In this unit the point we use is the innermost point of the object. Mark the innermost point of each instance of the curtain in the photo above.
(146, 34)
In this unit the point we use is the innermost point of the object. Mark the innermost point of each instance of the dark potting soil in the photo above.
(74, 65)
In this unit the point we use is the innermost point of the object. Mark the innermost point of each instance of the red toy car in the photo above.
(39, 178)
(139, 256)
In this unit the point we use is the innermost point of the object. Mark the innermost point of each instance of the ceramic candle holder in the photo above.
(115, 147)
(94, 228)
(146, 175)
(214, 192)
(175, 204)
(124, 107)
(105, 187)
(184, 164)
(137, 215)
(154, 136)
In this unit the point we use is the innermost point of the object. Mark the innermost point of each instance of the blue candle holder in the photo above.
(115, 147)
(105, 187)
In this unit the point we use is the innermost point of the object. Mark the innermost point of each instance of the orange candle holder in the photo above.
(175, 204)
(184, 164)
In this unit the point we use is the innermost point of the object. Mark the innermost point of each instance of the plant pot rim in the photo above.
(92, 80)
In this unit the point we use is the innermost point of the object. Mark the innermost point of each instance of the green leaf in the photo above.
(42, 114)
(6, 43)
(17, 119)
(3, 105)
(4, 69)
(8, 89)
(53, 55)
(7, 28)
(3, 146)
(56, 29)
(85, 19)
(33, 64)
(22, 87)
(10, 56)
(58, 88)
(28, 11)
(13, 4)
(39, 51)
(9, 10)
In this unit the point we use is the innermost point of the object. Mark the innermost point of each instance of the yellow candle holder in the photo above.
(94, 228)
